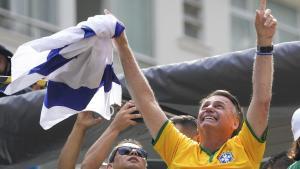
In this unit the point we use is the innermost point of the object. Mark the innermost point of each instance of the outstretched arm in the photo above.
(69, 154)
(100, 150)
(139, 87)
(262, 77)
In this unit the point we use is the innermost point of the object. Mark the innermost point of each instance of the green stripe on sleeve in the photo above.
(159, 132)
(263, 138)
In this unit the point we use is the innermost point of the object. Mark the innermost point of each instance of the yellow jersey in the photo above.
(243, 151)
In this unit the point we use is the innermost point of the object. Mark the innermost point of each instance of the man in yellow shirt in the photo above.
(242, 151)
(219, 113)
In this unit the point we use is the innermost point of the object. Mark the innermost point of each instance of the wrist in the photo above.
(113, 130)
(264, 50)
(80, 127)
(264, 41)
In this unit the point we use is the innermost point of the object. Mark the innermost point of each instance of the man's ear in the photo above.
(236, 123)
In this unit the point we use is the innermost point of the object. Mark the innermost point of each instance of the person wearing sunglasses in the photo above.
(99, 151)
(128, 154)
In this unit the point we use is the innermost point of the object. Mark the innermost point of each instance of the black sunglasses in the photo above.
(125, 150)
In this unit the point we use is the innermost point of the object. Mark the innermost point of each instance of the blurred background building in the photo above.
(161, 32)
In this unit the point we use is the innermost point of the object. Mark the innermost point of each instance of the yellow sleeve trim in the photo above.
(263, 138)
(159, 133)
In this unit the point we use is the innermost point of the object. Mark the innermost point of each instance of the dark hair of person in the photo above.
(294, 152)
(234, 101)
(112, 155)
(185, 120)
(7, 55)
(278, 161)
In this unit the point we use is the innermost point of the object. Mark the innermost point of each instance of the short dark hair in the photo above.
(185, 120)
(294, 152)
(278, 161)
(112, 155)
(234, 101)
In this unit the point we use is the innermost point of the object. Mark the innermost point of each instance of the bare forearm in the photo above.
(71, 149)
(135, 79)
(141, 91)
(100, 150)
(262, 79)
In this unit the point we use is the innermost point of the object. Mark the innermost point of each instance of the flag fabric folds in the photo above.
(78, 64)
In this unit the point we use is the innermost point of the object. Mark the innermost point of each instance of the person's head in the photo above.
(294, 152)
(186, 124)
(128, 154)
(278, 161)
(5, 61)
(220, 112)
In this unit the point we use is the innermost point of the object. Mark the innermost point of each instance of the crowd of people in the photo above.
(220, 137)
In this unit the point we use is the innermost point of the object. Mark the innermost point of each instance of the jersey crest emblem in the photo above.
(225, 157)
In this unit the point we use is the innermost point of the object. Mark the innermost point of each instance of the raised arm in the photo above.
(139, 87)
(69, 154)
(262, 77)
(100, 150)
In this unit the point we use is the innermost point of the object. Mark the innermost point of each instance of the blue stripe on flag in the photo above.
(54, 52)
(54, 61)
(118, 30)
(88, 32)
(108, 77)
(60, 94)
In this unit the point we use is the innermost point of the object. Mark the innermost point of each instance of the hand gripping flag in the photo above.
(78, 64)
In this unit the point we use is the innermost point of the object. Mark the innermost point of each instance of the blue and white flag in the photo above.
(78, 64)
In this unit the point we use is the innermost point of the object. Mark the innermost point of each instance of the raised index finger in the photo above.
(262, 5)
